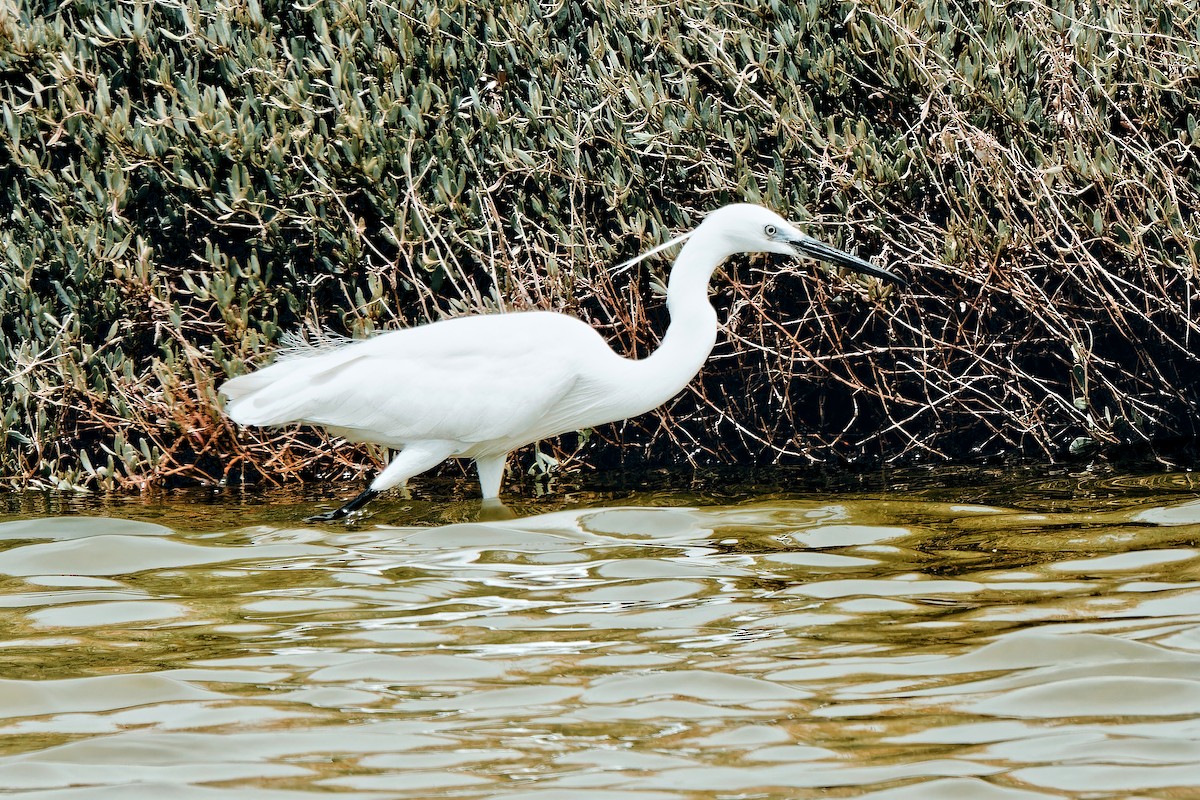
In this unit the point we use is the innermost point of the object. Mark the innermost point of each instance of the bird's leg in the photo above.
(491, 474)
(492, 509)
(408, 462)
(346, 509)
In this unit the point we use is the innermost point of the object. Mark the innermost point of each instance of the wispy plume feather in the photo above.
(625, 265)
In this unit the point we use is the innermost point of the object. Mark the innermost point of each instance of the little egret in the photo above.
(481, 386)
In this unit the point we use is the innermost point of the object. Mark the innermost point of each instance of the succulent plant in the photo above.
(183, 181)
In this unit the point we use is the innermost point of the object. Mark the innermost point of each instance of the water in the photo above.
(903, 636)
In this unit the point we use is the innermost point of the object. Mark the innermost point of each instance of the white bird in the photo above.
(481, 386)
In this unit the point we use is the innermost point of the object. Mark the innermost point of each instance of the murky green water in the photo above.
(1014, 637)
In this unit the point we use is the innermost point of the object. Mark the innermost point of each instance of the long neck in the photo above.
(693, 330)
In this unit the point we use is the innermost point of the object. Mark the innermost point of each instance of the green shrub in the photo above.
(182, 181)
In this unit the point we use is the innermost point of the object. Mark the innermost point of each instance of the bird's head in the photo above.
(753, 229)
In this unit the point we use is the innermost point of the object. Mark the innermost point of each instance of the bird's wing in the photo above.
(468, 380)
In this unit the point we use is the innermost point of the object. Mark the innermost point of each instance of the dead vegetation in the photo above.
(188, 180)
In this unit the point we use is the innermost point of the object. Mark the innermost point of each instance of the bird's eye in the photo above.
(770, 231)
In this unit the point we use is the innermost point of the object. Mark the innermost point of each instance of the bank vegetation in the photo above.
(182, 182)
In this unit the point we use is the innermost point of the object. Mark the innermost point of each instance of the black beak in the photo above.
(808, 246)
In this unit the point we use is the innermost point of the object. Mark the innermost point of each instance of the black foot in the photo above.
(328, 516)
(346, 509)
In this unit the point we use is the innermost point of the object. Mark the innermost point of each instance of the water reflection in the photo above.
(946, 644)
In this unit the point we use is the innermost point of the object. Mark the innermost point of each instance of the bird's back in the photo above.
(498, 378)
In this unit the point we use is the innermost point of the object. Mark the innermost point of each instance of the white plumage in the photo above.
(481, 386)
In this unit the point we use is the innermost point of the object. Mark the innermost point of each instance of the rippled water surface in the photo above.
(975, 638)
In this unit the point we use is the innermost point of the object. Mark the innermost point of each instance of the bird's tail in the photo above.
(269, 396)
(285, 391)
